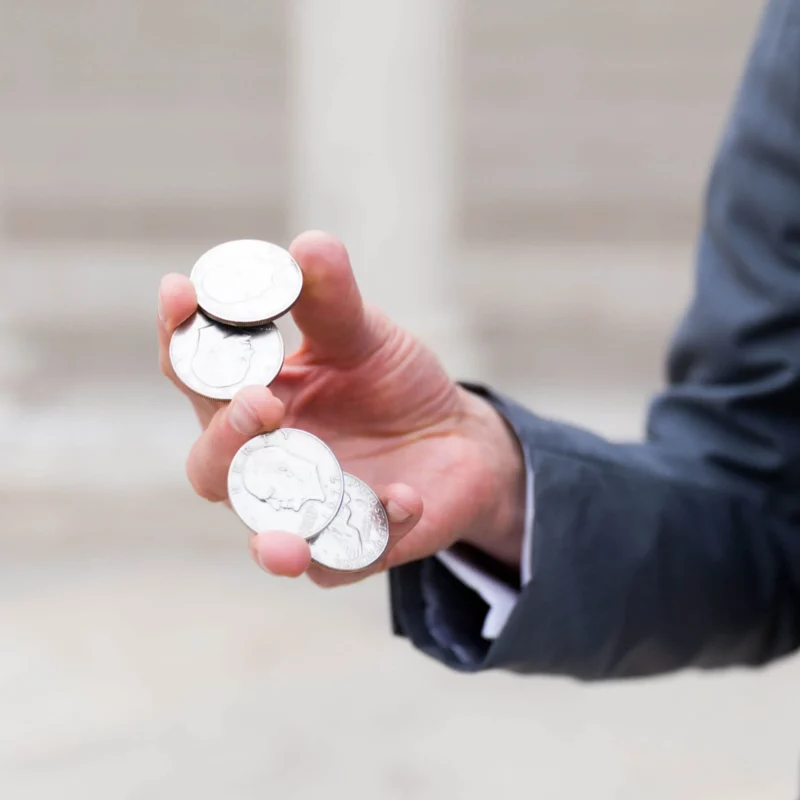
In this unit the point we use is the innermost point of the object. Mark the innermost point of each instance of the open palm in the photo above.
(382, 402)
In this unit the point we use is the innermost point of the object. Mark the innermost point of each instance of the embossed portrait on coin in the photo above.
(231, 283)
(352, 519)
(221, 358)
(282, 479)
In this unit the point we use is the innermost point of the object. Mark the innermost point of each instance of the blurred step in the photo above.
(84, 284)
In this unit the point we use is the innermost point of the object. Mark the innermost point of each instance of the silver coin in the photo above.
(359, 534)
(287, 480)
(216, 361)
(246, 282)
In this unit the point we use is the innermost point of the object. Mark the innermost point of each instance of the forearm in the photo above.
(684, 550)
(734, 366)
(641, 563)
(644, 562)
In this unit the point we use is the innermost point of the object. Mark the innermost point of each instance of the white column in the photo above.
(373, 144)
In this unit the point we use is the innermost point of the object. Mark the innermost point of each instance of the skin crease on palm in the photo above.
(441, 459)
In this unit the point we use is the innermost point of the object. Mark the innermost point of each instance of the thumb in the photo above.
(330, 312)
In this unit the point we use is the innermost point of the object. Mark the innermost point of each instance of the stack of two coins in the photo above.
(231, 342)
(287, 480)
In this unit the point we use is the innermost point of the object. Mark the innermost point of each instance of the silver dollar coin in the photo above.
(287, 480)
(359, 534)
(246, 282)
(216, 361)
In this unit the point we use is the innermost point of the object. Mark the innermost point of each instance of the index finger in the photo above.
(177, 301)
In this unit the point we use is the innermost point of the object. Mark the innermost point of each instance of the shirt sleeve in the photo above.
(499, 596)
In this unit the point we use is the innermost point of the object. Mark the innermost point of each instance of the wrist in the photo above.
(499, 528)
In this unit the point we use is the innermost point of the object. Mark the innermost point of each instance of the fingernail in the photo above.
(263, 565)
(161, 314)
(396, 512)
(242, 418)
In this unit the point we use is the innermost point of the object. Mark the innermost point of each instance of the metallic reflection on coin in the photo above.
(216, 361)
(287, 480)
(359, 534)
(246, 282)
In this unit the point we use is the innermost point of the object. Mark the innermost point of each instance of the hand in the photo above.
(385, 406)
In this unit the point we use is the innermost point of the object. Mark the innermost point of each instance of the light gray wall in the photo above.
(153, 120)
(594, 121)
(143, 119)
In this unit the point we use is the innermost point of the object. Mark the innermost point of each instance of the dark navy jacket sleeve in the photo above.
(684, 550)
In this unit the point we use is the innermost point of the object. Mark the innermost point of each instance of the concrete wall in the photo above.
(593, 121)
(152, 120)
(143, 120)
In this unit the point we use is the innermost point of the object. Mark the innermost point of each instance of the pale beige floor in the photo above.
(142, 655)
(180, 671)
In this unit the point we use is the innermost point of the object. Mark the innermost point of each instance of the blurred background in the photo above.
(520, 182)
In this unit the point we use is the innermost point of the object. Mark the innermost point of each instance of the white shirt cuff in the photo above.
(500, 597)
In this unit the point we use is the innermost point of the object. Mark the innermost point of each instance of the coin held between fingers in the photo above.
(287, 480)
(216, 361)
(359, 534)
(246, 282)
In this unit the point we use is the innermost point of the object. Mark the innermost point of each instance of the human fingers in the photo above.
(177, 301)
(290, 555)
(330, 312)
(252, 411)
